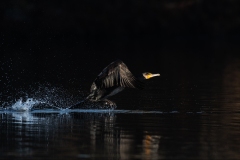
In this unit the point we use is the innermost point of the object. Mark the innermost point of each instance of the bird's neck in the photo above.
(140, 77)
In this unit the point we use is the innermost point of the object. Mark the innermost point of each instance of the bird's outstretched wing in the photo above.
(117, 74)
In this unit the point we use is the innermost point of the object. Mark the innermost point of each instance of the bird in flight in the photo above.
(113, 79)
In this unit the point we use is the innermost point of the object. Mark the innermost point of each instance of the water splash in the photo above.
(27, 105)
(23, 106)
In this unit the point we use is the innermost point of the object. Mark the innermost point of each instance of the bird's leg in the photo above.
(109, 103)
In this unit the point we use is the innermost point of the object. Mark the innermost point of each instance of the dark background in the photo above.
(68, 43)
(50, 50)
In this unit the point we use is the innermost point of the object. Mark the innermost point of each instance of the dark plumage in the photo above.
(113, 79)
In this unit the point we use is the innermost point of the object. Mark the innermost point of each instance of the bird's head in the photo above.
(148, 75)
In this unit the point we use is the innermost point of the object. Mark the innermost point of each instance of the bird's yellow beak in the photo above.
(148, 76)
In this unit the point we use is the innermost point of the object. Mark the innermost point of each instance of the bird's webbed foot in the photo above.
(109, 103)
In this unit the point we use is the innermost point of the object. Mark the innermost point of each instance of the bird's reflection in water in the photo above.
(150, 146)
(146, 149)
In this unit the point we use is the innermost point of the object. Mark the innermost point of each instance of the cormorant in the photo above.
(113, 79)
